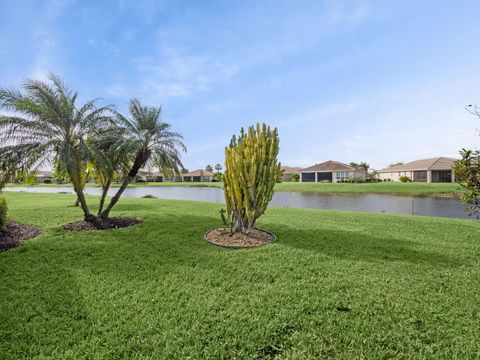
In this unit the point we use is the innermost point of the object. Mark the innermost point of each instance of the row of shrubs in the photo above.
(359, 181)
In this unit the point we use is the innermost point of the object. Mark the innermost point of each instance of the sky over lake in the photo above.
(374, 81)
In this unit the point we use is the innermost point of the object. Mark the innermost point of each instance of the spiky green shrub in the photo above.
(252, 170)
(3, 213)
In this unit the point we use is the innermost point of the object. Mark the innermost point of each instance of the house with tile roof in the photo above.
(431, 170)
(332, 171)
(198, 176)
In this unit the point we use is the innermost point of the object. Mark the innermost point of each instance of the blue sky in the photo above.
(375, 81)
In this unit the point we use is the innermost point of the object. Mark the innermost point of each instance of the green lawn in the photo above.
(380, 187)
(335, 285)
(383, 187)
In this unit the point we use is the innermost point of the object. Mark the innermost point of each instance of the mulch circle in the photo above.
(257, 237)
(14, 234)
(110, 223)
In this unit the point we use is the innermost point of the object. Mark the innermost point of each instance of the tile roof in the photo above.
(437, 163)
(290, 170)
(330, 165)
(198, 172)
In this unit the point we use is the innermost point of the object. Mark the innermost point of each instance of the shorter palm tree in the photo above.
(149, 141)
(44, 124)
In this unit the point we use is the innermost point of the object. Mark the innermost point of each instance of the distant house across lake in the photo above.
(198, 176)
(432, 170)
(288, 171)
(331, 171)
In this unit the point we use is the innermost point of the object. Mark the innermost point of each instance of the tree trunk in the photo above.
(83, 203)
(104, 195)
(77, 202)
(75, 178)
(106, 213)
(140, 160)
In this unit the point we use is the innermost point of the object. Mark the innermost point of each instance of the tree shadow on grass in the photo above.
(355, 245)
(175, 234)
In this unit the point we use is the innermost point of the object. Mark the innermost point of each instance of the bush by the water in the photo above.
(405, 179)
(3, 212)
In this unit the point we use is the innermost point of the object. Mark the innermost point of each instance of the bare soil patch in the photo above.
(257, 237)
(102, 224)
(14, 234)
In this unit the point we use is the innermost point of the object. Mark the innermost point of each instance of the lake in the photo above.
(384, 203)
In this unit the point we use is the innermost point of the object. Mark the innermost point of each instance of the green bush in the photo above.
(405, 179)
(295, 177)
(3, 212)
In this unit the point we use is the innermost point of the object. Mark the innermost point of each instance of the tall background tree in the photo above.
(209, 168)
(467, 172)
(149, 140)
(44, 123)
(363, 165)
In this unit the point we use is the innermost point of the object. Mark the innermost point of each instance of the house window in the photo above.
(342, 175)
(420, 176)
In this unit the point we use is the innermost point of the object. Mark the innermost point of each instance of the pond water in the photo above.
(386, 203)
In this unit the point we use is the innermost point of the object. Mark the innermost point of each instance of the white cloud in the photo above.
(173, 73)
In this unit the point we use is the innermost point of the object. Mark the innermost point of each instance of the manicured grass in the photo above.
(381, 187)
(335, 285)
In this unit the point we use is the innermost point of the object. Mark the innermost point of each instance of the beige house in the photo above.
(432, 170)
(198, 176)
(331, 171)
(288, 171)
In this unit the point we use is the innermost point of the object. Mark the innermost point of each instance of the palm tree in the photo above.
(218, 167)
(43, 123)
(150, 141)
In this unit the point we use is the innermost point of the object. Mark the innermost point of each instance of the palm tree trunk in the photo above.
(104, 195)
(75, 178)
(106, 213)
(83, 203)
(140, 160)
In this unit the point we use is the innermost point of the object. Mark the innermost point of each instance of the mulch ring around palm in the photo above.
(14, 234)
(222, 237)
(102, 224)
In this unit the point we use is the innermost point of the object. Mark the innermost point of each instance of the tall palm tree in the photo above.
(150, 141)
(43, 123)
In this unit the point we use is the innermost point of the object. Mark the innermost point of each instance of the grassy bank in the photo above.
(335, 285)
(380, 188)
